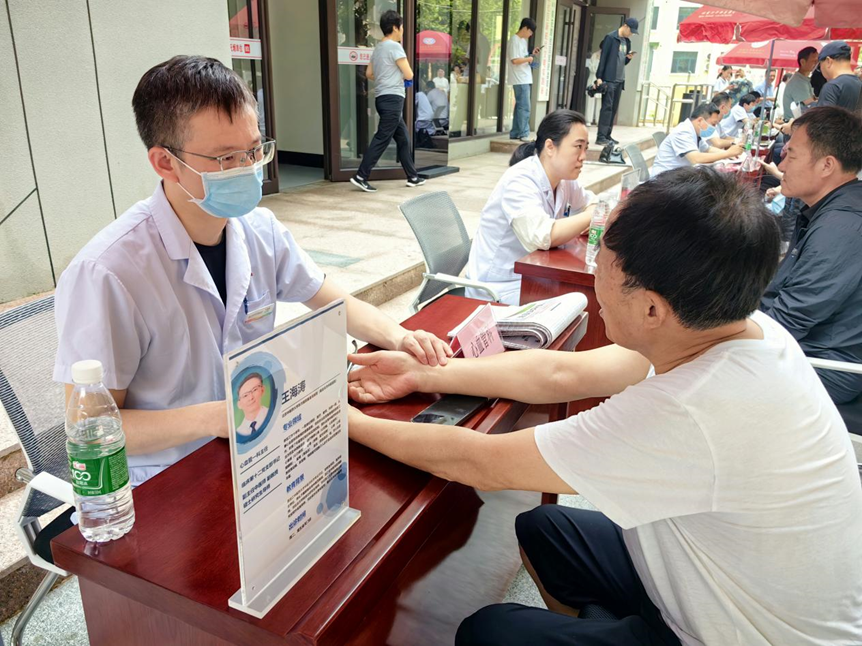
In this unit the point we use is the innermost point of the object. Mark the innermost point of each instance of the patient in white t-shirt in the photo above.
(730, 501)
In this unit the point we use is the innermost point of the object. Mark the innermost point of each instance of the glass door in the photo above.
(249, 49)
(350, 119)
(565, 53)
(598, 23)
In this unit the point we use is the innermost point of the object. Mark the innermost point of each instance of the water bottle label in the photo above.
(99, 476)
(595, 235)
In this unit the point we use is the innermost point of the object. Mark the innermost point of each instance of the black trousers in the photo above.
(580, 558)
(610, 105)
(390, 108)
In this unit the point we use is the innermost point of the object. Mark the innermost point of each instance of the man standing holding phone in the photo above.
(616, 54)
(390, 71)
(520, 76)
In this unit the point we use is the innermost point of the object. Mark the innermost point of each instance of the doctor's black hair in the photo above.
(701, 240)
(704, 110)
(719, 99)
(555, 126)
(170, 93)
(748, 98)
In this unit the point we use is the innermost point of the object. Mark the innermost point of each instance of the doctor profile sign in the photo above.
(287, 413)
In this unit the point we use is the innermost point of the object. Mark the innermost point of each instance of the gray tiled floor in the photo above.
(59, 620)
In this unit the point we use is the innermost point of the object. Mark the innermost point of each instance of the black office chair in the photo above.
(35, 404)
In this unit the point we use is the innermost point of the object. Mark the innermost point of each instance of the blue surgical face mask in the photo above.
(708, 132)
(229, 193)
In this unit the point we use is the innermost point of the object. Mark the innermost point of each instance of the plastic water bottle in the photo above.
(597, 227)
(97, 457)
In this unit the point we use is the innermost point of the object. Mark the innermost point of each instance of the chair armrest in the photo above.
(53, 486)
(839, 366)
(463, 282)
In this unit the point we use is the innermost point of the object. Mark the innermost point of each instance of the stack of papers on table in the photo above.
(535, 325)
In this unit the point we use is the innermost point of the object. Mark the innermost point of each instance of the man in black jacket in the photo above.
(616, 54)
(817, 293)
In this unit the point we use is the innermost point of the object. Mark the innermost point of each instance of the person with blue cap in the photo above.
(616, 54)
(843, 87)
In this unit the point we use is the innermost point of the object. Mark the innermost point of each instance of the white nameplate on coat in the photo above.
(259, 313)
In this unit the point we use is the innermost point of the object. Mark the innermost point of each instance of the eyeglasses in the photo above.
(250, 393)
(262, 153)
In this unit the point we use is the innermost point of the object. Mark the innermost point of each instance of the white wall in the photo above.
(665, 36)
(294, 30)
(73, 111)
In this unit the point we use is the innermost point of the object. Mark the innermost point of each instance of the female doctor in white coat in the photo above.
(537, 204)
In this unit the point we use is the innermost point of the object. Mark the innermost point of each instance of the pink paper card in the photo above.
(480, 337)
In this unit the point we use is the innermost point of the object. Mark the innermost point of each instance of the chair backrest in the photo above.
(33, 400)
(658, 136)
(637, 161)
(440, 231)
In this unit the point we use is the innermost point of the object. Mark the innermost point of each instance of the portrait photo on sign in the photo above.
(255, 400)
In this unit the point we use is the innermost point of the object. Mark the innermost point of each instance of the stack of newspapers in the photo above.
(535, 325)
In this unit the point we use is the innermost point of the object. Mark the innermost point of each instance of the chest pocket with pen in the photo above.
(258, 308)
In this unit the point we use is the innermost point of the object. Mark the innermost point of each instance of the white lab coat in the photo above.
(139, 298)
(517, 220)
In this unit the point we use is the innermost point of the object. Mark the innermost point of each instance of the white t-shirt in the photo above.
(518, 74)
(720, 84)
(441, 83)
(735, 483)
(517, 220)
(730, 124)
(682, 140)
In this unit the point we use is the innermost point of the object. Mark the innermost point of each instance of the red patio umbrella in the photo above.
(433, 45)
(825, 13)
(757, 54)
(715, 25)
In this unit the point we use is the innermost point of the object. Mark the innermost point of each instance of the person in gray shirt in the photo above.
(389, 69)
(798, 89)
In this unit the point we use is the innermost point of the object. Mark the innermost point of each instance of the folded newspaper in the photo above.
(535, 325)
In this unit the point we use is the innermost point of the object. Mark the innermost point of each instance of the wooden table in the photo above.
(545, 274)
(424, 554)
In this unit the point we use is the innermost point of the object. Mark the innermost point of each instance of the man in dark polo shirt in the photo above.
(843, 87)
(817, 292)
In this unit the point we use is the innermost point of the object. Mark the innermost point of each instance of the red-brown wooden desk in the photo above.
(424, 554)
(545, 274)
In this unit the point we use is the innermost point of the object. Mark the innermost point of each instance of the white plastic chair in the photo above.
(851, 412)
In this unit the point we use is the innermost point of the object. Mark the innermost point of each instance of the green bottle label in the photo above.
(99, 476)
(595, 235)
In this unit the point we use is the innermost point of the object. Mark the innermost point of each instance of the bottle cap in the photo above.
(87, 372)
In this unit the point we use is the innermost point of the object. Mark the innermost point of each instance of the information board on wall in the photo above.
(547, 56)
(287, 413)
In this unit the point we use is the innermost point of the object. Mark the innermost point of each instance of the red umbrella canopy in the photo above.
(723, 25)
(757, 54)
(433, 45)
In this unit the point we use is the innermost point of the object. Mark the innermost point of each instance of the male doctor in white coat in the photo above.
(194, 271)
